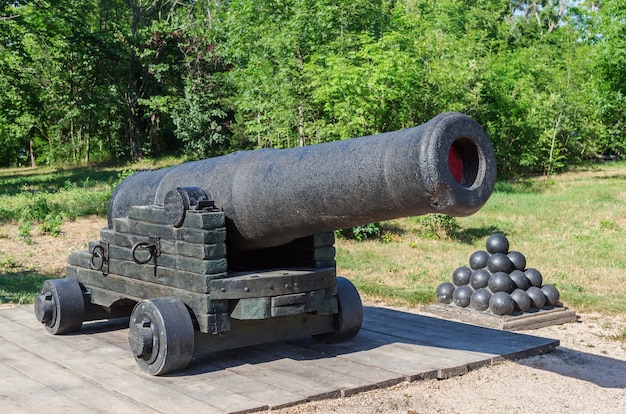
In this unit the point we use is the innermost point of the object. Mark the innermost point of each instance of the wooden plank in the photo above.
(78, 353)
(173, 247)
(524, 321)
(392, 347)
(35, 396)
(189, 235)
(451, 334)
(195, 282)
(194, 219)
(9, 405)
(222, 399)
(267, 395)
(375, 350)
(274, 282)
(216, 265)
(63, 382)
(199, 302)
(280, 373)
(361, 377)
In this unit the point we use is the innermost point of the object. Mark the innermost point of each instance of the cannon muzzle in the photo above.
(271, 197)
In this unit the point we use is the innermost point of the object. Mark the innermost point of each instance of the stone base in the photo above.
(521, 321)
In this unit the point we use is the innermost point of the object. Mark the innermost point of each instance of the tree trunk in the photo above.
(31, 153)
(301, 135)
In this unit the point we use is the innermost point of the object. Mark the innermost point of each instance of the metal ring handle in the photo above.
(144, 245)
(97, 252)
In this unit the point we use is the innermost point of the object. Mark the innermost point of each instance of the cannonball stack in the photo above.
(497, 280)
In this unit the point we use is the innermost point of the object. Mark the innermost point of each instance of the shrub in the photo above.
(360, 233)
(437, 226)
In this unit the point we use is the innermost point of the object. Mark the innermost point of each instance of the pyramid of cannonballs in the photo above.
(497, 280)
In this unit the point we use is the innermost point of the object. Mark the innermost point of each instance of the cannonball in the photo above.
(478, 259)
(518, 260)
(462, 295)
(461, 275)
(537, 298)
(520, 279)
(552, 294)
(499, 262)
(479, 278)
(444, 292)
(497, 243)
(534, 276)
(501, 282)
(480, 299)
(501, 303)
(521, 299)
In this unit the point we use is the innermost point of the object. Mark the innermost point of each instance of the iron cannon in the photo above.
(239, 250)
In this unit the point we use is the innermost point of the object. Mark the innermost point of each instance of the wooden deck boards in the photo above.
(94, 369)
(527, 320)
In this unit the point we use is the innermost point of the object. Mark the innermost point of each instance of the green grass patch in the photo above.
(21, 286)
(395, 295)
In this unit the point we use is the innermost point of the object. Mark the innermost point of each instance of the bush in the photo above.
(437, 226)
(360, 233)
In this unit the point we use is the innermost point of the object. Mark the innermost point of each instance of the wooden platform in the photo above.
(527, 320)
(94, 371)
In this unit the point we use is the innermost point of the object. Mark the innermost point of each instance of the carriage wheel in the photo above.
(60, 306)
(161, 335)
(350, 316)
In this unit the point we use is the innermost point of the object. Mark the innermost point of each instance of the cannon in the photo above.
(239, 250)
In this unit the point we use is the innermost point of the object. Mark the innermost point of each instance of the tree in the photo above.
(269, 44)
(610, 60)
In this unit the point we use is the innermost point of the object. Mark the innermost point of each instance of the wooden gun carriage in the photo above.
(239, 250)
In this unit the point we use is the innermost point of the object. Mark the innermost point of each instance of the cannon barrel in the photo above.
(271, 197)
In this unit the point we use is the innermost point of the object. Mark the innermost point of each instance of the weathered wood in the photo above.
(524, 321)
(193, 219)
(172, 247)
(132, 288)
(272, 283)
(254, 332)
(189, 235)
(273, 375)
(118, 374)
(73, 387)
(194, 282)
(173, 262)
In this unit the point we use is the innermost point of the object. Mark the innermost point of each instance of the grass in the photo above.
(21, 287)
(69, 192)
(571, 227)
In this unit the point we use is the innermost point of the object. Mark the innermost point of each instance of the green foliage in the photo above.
(8, 262)
(24, 229)
(87, 80)
(38, 210)
(437, 226)
(360, 233)
(51, 224)
(46, 199)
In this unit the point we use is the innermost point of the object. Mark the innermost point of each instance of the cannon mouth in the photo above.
(464, 162)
